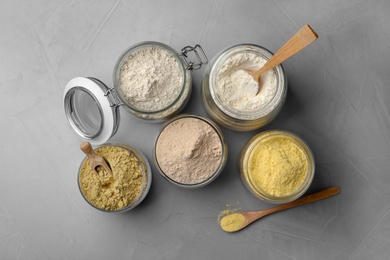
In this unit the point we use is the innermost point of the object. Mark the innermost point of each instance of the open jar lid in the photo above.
(91, 109)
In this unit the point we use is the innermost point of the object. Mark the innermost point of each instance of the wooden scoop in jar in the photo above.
(96, 161)
(305, 36)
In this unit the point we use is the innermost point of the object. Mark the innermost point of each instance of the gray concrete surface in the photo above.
(338, 101)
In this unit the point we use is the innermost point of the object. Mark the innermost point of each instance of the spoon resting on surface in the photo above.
(239, 220)
(305, 36)
(94, 159)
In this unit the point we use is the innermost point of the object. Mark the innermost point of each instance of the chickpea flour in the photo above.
(112, 193)
(278, 166)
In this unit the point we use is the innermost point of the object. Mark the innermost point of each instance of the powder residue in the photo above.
(237, 89)
(118, 191)
(150, 79)
(231, 208)
(232, 222)
(189, 150)
(278, 166)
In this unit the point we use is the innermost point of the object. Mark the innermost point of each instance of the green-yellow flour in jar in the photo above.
(278, 166)
(118, 191)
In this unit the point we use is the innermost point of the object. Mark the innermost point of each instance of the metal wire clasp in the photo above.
(199, 54)
(114, 102)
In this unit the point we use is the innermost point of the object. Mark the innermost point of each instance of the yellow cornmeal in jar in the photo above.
(112, 192)
(232, 222)
(278, 166)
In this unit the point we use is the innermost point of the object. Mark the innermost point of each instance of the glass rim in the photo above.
(222, 57)
(221, 164)
(135, 48)
(146, 177)
(258, 191)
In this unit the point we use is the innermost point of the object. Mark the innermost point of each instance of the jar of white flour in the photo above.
(233, 98)
(151, 81)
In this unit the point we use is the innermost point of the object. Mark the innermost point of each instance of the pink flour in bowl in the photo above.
(190, 151)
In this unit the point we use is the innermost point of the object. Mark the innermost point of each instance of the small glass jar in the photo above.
(92, 108)
(232, 118)
(177, 103)
(246, 156)
(146, 177)
(219, 168)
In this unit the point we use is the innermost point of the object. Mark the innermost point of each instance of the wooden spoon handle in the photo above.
(326, 193)
(87, 148)
(297, 42)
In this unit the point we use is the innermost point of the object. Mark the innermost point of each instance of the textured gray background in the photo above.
(338, 101)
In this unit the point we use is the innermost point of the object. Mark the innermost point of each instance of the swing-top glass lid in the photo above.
(91, 109)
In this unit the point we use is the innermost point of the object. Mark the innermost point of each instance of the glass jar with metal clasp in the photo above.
(92, 108)
(224, 113)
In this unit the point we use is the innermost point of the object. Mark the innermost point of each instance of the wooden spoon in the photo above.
(94, 159)
(297, 42)
(248, 217)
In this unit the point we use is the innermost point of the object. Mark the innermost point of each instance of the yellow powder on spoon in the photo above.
(278, 166)
(232, 222)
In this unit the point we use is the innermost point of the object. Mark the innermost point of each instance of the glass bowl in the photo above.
(178, 101)
(169, 174)
(109, 188)
(226, 115)
(277, 172)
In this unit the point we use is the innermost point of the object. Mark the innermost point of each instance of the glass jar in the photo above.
(228, 116)
(222, 160)
(178, 100)
(92, 108)
(259, 141)
(145, 183)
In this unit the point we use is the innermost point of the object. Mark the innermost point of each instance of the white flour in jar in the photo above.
(237, 89)
(150, 79)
